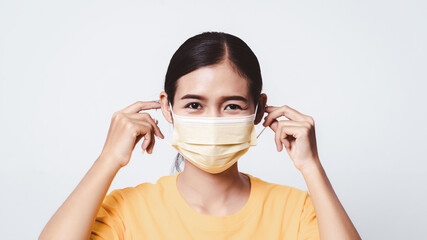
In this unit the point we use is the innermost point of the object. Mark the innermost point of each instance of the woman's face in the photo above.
(213, 91)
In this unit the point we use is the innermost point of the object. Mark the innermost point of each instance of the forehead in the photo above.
(213, 81)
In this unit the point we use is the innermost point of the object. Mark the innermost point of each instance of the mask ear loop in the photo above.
(173, 116)
(256, 108)
(157, 138)
(164, 140)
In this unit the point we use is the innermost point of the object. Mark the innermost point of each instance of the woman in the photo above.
(213, 97)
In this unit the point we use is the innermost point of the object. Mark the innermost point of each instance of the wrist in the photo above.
(108, 161)
(312, 167)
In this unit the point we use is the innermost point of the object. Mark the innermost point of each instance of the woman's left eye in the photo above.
(234, 107)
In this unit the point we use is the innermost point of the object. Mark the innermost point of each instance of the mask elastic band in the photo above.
(171, 109)
(261, 132)
(256, 108)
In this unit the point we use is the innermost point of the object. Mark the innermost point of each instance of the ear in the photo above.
(166, 110)
(261, 108)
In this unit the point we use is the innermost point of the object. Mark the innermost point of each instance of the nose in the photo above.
(213, 112)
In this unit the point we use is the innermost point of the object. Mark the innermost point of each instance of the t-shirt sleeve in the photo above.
(109, 219)
(308, 221)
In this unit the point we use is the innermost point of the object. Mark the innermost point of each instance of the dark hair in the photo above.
(209, 48)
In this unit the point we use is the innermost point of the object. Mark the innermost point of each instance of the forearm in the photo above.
(332, 219)
(74, 219)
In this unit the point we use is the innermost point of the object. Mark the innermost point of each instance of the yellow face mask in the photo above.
(213, 143)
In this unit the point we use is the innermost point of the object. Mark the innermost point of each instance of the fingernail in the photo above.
(161, 136)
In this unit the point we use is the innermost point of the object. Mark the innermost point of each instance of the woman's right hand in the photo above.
(127, 127)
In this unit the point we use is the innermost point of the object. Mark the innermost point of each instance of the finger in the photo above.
(295, 131)
(284, 139)
(140, 105)
(299, 115)
(281, 139)
(277, 137)
(286, 142)
(147, 141)
(144, 130)
(141, 130)
(148, 118)
(275, 112)
(151, 146)
(137, 140)
(276, 123)
(152, 142)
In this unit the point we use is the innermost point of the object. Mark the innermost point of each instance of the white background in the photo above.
(359, 68)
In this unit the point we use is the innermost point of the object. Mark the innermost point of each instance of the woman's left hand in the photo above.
(297, 134)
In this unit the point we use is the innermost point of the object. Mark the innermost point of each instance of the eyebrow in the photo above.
(224, 98)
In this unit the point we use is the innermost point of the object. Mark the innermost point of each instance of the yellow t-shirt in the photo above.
(158, 211)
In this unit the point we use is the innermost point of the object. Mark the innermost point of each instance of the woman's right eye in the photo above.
(193, 105)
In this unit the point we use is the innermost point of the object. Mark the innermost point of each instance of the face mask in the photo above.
(213, 143)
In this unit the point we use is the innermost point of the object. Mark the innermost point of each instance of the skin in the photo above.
(209, 87)
(219, 194)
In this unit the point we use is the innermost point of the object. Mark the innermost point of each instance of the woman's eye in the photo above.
(193, 105)
(234, 106)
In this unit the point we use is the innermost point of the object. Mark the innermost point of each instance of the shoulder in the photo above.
(142, 190)
(275, 191)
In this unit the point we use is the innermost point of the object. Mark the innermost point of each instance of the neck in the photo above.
(204, 188)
